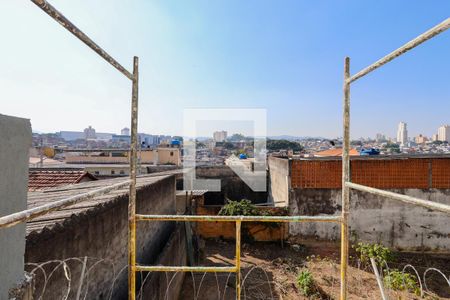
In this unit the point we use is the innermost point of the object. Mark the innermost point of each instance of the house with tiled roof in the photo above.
(335, 152)
(41, 178)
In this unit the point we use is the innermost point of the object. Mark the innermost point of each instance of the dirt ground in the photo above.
(269, 271)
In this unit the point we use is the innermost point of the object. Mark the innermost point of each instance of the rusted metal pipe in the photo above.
(200, 218)
(132, 198)
(29, 214)
(405, 48)
(345, 178)
(61, 19)
(403, 198)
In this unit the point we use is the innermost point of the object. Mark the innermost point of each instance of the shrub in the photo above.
(366, 251)
(399, 281)
(239, 208)
(305, 282)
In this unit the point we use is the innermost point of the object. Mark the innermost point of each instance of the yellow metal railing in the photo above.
(346, 182)
(14, 219)
(237, 265)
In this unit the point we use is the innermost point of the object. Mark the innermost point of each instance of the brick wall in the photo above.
(395, 173)
(256, 231)
(101, 234)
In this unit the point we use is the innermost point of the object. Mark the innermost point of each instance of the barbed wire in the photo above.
(81, 286)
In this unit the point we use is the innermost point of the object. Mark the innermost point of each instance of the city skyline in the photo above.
(247, 132)
(219, 55)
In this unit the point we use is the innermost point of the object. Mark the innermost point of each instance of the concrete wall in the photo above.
(279, 181)
(376, 219)
(232, 186)
(102, 233)
(16, 140)
(162, 286)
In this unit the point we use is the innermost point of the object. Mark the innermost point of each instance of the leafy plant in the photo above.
(239, 208)
(366, 251)
(399, 281)
(305, 282)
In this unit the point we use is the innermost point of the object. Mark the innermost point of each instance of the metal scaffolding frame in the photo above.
(238, 220)
(29, 214)
(26, 215)
(346, 180)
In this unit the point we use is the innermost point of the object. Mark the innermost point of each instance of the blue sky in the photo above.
(284, 56)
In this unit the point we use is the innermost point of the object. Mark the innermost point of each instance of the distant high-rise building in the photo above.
(89, 133)
(420, 139)
(125, 131)
(220, 136)
(402, 133)
(444, 133)
(435, 137)
(380, 138)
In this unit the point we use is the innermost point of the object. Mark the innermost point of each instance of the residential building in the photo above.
(380, 138)
(220, 136)
(72, 135)
(420, 139)
(444, 133)
(89, 133)
(335, 152)
(125, 131)
(121, 138)
(41, 178)
(402, 134)
(159, 156)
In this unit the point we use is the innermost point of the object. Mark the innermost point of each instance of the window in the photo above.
(113, 172)
(171, 153)
(122, 172)
(96, 172)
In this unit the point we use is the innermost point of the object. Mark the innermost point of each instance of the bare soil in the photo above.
(270, 270)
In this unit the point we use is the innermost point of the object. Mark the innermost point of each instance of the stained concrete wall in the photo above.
(160, 285)
(102, 233)
(279, 181)
(376, 219)
(232, 187)
(16, 140)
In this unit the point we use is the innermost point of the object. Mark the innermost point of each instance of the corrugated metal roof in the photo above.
(58, 218)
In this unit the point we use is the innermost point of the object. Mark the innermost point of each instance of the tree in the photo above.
(229, 146)
(237, 137)
(393, 147)
(277, 145)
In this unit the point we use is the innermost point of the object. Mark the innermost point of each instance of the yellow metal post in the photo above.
(132, 196)
(345, 178)
(238, 259)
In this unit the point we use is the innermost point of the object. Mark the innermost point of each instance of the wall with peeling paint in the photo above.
(376, 219)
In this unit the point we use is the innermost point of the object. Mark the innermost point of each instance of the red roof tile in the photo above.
(40, 179)
(335, 152)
